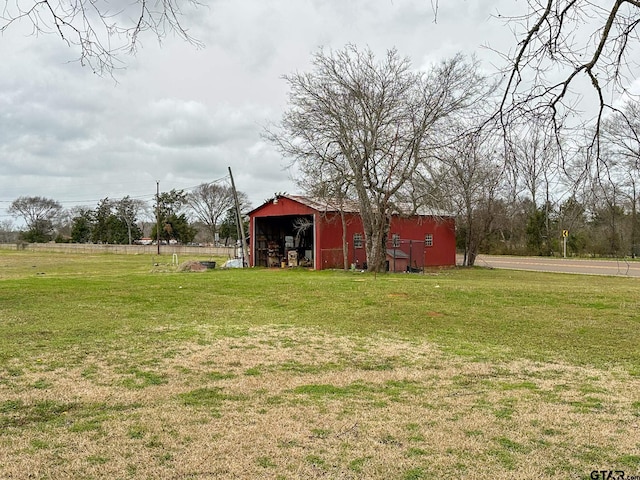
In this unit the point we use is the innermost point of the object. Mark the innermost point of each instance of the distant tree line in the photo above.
(205, 215)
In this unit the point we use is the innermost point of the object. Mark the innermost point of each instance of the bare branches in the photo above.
(574, 61)
(95, 30)
(621, 138)
(562, 43)
(211, 201)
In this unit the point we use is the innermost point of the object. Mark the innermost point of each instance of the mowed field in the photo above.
(124, 367)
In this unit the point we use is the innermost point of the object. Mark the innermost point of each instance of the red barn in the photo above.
(301, 231)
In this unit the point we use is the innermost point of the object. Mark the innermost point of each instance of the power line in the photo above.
(145, 196)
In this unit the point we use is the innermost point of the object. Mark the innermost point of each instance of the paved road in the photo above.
(563, 265)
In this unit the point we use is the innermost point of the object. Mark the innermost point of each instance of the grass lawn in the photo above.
(119, 367)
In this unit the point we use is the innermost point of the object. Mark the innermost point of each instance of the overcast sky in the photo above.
(181, 115)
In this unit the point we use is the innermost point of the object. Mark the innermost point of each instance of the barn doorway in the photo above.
(284, 241)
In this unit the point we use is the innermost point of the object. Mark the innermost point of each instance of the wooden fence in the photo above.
(89, 248)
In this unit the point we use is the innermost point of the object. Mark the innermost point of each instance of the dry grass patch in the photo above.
(285, 402)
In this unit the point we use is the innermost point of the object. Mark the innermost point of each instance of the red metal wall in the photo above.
(441, 253)
(285, 206)
(443, 250)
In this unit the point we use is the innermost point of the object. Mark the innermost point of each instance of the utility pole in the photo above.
(158, 215)
(238, 216)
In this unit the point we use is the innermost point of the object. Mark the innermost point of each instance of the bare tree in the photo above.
(39, 214)
(533, 160)
(211, 201)
(467, 178)
(373, 121)
(534, 167)
(99, 30)
(331, 184)
(7, 233)
(564, 46)
(621, 136)
(621, 131)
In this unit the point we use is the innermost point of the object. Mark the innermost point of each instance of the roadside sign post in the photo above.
(565, 234)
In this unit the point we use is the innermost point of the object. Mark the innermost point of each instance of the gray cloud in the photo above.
(180, 115)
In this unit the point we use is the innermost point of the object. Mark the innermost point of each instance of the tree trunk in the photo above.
(213, 232)
(376, 243)
(129, 233)
(345, 245)
(472, 251)
(634, 224)
(469, 255)
(472, 259)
